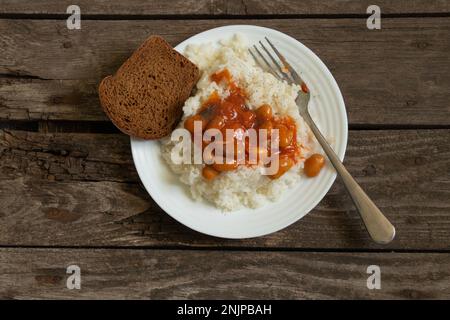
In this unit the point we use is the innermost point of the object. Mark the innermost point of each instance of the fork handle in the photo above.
(378, 226)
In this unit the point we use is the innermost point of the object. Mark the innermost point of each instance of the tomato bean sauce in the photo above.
(232, 113)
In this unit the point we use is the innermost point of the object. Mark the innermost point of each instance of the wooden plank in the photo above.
(174, 274)
(81, 189)
(33, 99)
(79, 157)
(387, 77)
(225, 7)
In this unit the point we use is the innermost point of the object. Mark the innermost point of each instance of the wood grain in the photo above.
(388, 77)
(33, 99)
(174, 274)
(70, 157)
(81, 189)
(224, 7)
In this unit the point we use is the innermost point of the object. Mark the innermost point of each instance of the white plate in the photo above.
(328, 109)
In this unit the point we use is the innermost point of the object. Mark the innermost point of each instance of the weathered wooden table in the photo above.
(69, 193)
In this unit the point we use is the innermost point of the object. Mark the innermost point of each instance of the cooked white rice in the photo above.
(244, 187)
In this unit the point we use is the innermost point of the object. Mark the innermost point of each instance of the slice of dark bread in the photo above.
(146, 95)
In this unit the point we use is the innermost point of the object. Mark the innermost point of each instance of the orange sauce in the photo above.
(232, 113)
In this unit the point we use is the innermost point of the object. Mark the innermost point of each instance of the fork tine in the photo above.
(272, 70)
(280, 69)
(261, 66)
(255, 58)
(286, 64)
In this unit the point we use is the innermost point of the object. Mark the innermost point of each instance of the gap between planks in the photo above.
(232, 249)
(106, 127)
(211, 9)
(121, 17)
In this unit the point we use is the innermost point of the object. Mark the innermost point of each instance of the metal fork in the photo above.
(378, 226)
